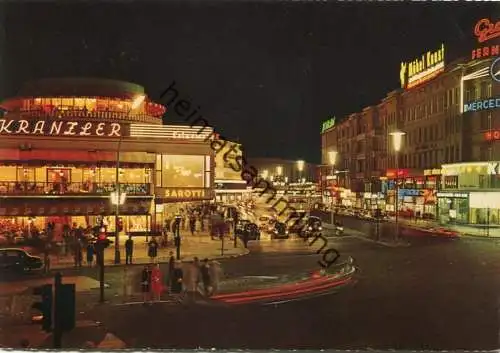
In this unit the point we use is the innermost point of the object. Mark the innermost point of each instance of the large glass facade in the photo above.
(453, 209)
(183, 171)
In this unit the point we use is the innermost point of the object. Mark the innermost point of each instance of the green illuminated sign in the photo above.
(328, 124)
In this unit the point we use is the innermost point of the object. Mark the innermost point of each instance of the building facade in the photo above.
(284, 171)
(67, 144)
(449, 114)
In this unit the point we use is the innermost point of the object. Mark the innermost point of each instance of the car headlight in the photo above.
(309, 228)
(320, 228)
(286, 231)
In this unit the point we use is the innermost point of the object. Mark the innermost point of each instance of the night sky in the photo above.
(267, 74)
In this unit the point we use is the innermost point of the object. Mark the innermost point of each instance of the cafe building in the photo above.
(67, 145)
(470, 193)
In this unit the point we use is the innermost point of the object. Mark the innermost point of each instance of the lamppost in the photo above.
(332, 158)
(300, 168)
(397, 140)
(117, 199)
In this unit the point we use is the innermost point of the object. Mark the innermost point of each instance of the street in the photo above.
(432, 295)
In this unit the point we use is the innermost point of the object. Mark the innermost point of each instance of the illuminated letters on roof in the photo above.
(422, 69)
(328, 124)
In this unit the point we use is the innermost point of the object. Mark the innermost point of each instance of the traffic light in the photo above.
(65, 307)
(45, 305)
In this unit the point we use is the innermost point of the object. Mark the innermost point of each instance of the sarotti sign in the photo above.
(61, 128)
(485, 31)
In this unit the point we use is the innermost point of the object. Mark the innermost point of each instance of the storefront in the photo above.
(63, 155)
(470, 193)
(229, 185)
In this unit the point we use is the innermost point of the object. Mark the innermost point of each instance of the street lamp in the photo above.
(332, 158)
(397, 141)
(300, 168)
(118, 195)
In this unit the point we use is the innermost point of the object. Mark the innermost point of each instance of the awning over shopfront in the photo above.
(74, 157)
(75, 207)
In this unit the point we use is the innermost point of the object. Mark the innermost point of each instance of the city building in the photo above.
(229, 185)
(68, 144)
(284, 171)
(448, 113)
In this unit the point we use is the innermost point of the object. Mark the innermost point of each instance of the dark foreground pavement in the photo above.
(433, 295)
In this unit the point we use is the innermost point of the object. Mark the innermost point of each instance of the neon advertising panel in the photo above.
(422, 69)
(486, 31)
(328, 124)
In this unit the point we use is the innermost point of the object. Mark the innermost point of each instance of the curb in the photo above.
(71, 266)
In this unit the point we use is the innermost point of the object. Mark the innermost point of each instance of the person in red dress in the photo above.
(157, 286)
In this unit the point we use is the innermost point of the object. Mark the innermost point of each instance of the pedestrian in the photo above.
(171, 268)
(177, 279)
(90, 254)
(46, 255)
(192, 224)
(215, 271)
(153, 249)
(129, 250)
(205, 277)
(78, 256)
(157, 286)
(146, 284)
(193, 278)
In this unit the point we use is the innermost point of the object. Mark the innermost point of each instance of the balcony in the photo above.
(15, 188)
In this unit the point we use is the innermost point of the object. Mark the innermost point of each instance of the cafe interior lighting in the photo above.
(115, 200)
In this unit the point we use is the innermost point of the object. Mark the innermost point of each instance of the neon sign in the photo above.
(422, 69)
(328, 124)
(485, 30)
(492, 135)
(486, 104)
(62, 128)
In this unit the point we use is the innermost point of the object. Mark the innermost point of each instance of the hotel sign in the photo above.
(62, 128)
(485, 30)
(485, 104)
(422, 69)
(328, 124)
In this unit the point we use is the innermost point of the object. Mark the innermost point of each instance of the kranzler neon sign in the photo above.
(485, 30)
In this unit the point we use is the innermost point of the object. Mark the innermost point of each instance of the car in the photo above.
(280, 231)
(250, 230)
(263, 222)
(314, 224)
(18, 260)
(240, 226)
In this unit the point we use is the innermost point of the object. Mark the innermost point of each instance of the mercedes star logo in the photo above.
(495, 70)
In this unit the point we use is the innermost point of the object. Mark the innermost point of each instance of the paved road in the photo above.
(432, 295)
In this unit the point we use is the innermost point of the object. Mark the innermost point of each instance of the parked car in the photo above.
(18, 260)
(280, 231)
(263, 222)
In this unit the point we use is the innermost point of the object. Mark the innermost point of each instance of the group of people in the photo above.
(202, 277)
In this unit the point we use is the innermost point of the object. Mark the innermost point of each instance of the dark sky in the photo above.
(266, 73)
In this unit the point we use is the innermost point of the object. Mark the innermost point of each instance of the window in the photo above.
(182, 171)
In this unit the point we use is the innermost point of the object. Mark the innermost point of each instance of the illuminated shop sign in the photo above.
(328, 124)
(485, 104)
(176, 132)
(185, 193)
(485, 30)
(492, 135)
(62, 128)
(432, 172)
(456, 195)
(422, 69)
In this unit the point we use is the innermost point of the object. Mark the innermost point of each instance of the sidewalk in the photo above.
(464, 230)
(199, 245)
